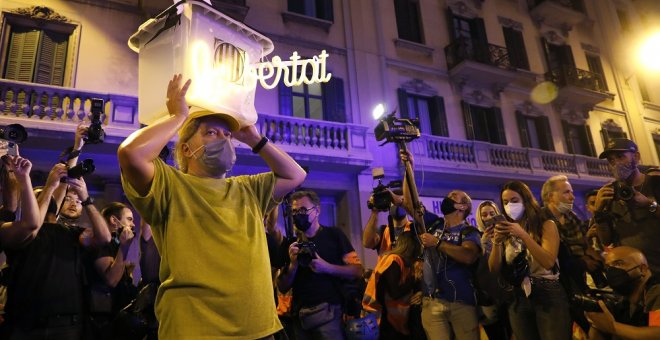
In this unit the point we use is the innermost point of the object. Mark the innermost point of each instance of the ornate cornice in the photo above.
(611, 125)
(418, 86)
(40, 13)
(506, 22)
(529, 109)
(466, 9)
(590, 48)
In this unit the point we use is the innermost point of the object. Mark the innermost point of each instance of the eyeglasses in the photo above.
(69, 200)
(302, 210)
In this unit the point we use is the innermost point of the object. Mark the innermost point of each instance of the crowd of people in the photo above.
(526, 270)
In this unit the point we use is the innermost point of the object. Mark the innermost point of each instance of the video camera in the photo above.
(382, 199)
(589, 302)
(95, 133)
(83, 168)
(622, 191)
(306, 253)
(13, 134)
(394, 129)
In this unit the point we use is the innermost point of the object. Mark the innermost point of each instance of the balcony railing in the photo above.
(576, 5)
(577, 77)
(443, 153)
(474, 50)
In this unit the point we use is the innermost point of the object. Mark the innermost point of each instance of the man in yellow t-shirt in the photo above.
(214, 268)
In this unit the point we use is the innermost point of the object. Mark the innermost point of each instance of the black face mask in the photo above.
(301, 221)
(619, 280)
(397, 213)
(447, 206)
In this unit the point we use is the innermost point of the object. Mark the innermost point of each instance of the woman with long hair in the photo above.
(392, 284)
(525, 249)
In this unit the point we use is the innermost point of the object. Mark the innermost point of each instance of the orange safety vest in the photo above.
(386, 242)
(397, 309)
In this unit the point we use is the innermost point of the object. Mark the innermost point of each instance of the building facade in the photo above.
(502, 89)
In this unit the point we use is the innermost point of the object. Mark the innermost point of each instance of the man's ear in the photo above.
(644, 268)
(114, 220)
(186, 150)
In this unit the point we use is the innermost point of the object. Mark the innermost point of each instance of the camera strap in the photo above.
(68, 154)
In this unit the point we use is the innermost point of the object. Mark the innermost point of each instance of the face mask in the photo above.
(515, 210)
(564, 207)
(620, 280)
(447, 206)
(218, 156)
(397, 213)
(623, 171)
(301, 221)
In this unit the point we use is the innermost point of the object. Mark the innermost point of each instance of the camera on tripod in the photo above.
(393, 129)
(95, 133)
(381, 199)
(83, 168)
(13, 134)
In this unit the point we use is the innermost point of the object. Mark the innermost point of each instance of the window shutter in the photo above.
(515, 45)
(501, 135)
(52, 58)
(286, 99)
(589, 141)
(522, 129)
(478, 28)
(327, 10)
(438, 117)
(403, 103)
(334, 108)
(23, 46)
(297, 6)
(450, 24)
(567, 137)
(545, 134)
(467, 116)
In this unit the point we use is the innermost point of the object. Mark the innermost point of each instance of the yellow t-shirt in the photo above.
(214, 268)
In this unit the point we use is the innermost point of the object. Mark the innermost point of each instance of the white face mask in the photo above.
(564, 207)
(515, 210)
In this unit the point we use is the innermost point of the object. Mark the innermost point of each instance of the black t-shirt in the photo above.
(309, 288)
(46, 275)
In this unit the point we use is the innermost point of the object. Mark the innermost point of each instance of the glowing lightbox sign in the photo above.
(291, 76)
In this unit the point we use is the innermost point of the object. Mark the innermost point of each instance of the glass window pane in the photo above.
(298, 106)
(315, 108)
(423, 114)
(298, 89)
(314, 89)
(532, 132)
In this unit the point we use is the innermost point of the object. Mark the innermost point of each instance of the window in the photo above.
(468, 38)
(535, 132)
(578, 139)
(515, 46)
(37, 50)
(596, 67)
(320, 9)
(430, 110)
(610, 129)
(484, 124)
(324, 101)
(623, 20)
(408, 20)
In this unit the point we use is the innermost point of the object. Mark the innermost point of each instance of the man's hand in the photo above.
(640, 200)
(406, 156)
(55, 175)
(126, 236)
(416, 299)
(604, 321)
(247, 135)
(79, 187)
(293, 252)
(319, 265)
(604, 197)
(428, 240)
(176, 97)
(21, 168)
(81, 134)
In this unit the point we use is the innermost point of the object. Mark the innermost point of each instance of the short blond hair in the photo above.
(186, 132)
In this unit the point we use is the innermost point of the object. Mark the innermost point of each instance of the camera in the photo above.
(83, 168)
(13, 134)
(306, 253)
(382, 199)
(589, 302)
(393, 129)
(95, 133)
(622, 191)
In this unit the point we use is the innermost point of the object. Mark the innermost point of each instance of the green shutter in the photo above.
(567, 137)
(23, 45)
(522, 130)
(52, 59)
(402, 96)
(589, 141)
(467, 116)
(545, 134)
(501, 135)
(438, 117)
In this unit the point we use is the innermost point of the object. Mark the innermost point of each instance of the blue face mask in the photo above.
(218, 157)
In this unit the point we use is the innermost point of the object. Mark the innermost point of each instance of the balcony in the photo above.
(483, 65)
(51, 114)
(578, 88)
(562, 14)
(453, 159)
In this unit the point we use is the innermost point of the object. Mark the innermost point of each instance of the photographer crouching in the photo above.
(318, 260)
(639, 316)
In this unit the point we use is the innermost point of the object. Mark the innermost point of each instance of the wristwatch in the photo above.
(88, 201)
(653, 206)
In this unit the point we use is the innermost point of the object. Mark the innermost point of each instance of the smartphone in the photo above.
(498, 219)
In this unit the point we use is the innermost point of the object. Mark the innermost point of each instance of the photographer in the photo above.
(639, 318)
(17, 184)
(627, 210)
(320, 258)
(380, 238)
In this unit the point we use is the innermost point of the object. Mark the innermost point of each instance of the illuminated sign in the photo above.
(293, 77)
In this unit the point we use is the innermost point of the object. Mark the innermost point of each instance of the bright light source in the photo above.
(378, 111)
(649, 51)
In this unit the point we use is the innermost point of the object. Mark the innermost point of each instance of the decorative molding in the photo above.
(478, 98)
(611, 125)
(414, 46)
(529, 109)
(466, 9)
(506, 22)
(552, 37)
(590, 48)
(307, 20)
(418, 86)
(40, 13)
